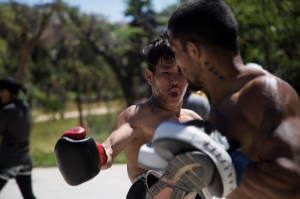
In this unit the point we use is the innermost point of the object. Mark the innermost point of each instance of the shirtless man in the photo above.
(252, 106)
(134, 126)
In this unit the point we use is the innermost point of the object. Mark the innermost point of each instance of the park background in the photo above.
(74, 61)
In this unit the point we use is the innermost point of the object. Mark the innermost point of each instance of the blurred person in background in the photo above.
(15, 123)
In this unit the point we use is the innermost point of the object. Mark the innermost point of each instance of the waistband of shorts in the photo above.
(143, 176)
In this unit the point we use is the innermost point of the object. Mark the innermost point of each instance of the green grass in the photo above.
(44, 136)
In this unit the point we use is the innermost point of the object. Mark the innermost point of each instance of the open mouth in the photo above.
(174, 92)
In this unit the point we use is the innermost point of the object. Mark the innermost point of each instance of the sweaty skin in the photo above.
(136, 125)
(264, 125)
(256, 109)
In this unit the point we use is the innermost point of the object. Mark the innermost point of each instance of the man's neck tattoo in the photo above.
(212, 70)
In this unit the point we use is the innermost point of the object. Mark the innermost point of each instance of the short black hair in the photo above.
(208, 22)
(158, 50)
(12, 85)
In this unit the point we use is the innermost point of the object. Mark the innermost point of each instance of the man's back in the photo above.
(263, 117)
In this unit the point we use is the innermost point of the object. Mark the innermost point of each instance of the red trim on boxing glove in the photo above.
(76, 133)
(102, 154)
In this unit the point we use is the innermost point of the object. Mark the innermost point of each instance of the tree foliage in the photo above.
(63, 54)
(269, 35)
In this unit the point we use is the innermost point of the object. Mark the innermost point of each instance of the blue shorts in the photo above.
(240, 162)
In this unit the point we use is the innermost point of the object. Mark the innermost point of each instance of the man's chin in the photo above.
(172, 98)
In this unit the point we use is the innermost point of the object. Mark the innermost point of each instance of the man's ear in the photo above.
(148, 76)
(193, 50)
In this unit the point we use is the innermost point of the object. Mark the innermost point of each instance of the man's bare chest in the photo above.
(146, 125)
(228, 118)
(149, 124)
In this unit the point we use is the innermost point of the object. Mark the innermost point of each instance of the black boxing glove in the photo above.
(79, 159)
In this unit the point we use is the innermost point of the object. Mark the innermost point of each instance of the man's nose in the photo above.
(174, 83)
(174, 80)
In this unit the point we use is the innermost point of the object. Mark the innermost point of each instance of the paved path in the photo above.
(49, 184)
(73, 114)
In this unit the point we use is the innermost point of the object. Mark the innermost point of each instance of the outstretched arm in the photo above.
(80, 158)
(119, 138)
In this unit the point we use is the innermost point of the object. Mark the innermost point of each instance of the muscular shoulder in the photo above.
(268, 95)
(268, 88)
(132, 113)
(126, 115)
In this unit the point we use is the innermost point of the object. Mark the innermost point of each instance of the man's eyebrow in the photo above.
(166, 66)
